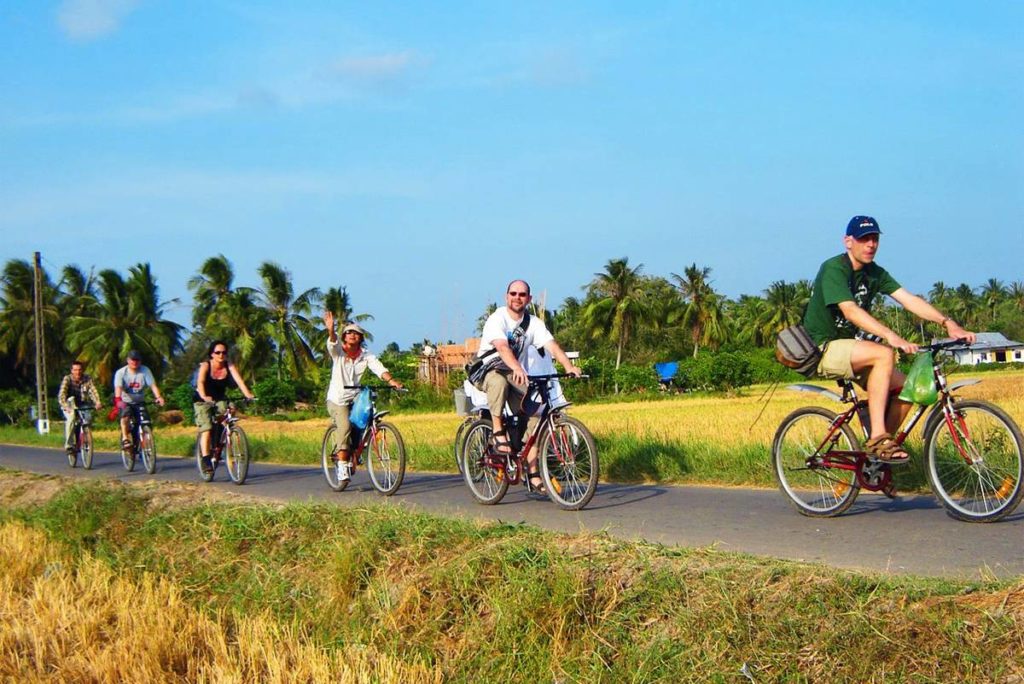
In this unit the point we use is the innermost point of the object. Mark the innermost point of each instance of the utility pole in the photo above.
(42, 407)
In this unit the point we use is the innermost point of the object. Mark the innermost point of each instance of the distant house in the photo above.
(437, 362)
(991, 347)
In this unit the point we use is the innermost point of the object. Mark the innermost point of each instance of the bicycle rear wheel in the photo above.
(329, 460)
(487, 483)
(85, 447)
(237, 455)
(975, 464)
(801, 442)
(147, 448)
(568, 462)
(386, 462)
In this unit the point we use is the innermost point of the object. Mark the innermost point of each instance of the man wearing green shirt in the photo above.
(840, 309)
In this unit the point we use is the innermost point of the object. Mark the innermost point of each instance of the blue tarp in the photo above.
(666, 370)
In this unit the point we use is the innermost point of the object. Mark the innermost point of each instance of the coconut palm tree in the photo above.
(963, 305)
(210, 286)
(618, 306)
(784, 306)
(288, 319)
(129, 315)
(17, 318)
(993, 293)
(745, 316)
(702, 314)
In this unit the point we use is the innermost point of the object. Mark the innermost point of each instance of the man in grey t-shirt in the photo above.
(130, 383)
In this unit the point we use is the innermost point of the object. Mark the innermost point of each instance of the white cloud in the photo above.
(375, 68)
(86, 20)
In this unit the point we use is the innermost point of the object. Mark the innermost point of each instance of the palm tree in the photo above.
(17, 317)
(211, 285)
(129, 315)
(619, 304)
(746, 316)
(993, 293)
(1016, 294)
(702, 315)
(78, 292)
(784, 306)
(287, 319)
(963, 305)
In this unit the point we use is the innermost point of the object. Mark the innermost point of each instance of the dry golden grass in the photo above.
(84, 623)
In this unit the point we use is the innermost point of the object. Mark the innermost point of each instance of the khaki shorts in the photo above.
(205, 414)
(835, 362)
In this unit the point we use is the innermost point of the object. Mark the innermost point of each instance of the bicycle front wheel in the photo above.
(205, 476)
(72, 454)
(460, 439)
(237, 455)
(329, 460)
(386, 463)
(147, 448)
(974, 462)
(801, 442)
(85, 449)
(487, 483)
(128, 456)
(568, 463)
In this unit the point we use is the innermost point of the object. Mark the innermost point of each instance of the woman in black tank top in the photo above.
(214, 377)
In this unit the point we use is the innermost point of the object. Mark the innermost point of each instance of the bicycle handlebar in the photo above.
(377, 387)
(555, 376)
(943, 346)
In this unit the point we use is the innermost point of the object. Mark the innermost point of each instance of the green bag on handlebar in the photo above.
(919, 387)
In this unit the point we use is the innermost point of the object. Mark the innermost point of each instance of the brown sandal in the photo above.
(885, 448)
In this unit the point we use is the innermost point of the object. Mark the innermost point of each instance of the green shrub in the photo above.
(274, 394)
(14, 407)
(181, 398)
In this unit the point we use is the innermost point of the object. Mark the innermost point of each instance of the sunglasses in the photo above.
(221, 352)
(518, 294)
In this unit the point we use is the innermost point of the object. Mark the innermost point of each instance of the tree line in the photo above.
(625, 317)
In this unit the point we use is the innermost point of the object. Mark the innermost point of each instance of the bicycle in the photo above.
(386, 463)
(82, 429)
(140, 427)
(567, 454)
(972, 450)
(228, 442)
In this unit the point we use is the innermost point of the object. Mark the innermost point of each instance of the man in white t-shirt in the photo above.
(504, 336)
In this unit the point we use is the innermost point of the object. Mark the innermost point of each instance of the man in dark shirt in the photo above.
(840, 309)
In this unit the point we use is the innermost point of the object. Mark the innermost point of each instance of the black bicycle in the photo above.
(81, 431)
(140, 430)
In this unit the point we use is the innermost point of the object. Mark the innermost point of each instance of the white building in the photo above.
(991, 347)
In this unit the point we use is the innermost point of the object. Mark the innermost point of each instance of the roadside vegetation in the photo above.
(108, 582)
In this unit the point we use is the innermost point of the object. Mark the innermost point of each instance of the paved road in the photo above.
(911, 535)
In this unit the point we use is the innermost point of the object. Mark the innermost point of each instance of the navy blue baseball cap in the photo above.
(859, 226)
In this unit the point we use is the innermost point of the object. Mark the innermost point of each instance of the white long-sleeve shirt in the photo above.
(346, 371)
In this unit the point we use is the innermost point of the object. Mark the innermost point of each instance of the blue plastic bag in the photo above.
(362, 409)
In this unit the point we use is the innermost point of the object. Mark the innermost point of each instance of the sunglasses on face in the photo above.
(220, 352)
(518, 294)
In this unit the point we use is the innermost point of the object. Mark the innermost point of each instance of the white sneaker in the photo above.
(344, 471)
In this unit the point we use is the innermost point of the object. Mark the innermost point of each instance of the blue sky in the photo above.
(423, 154)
